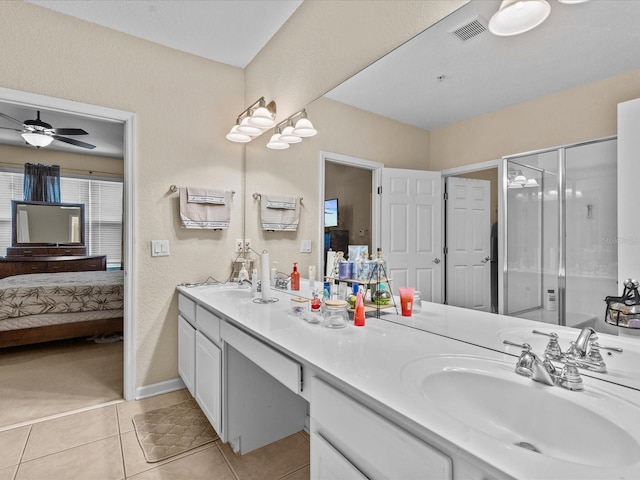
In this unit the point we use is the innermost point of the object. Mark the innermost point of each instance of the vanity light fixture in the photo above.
(290, 133)
(253, 121)
(37, 139)
(518, 16)
(276, 142)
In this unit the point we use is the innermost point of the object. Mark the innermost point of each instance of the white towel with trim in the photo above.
(205, 195)
(204, 215)
(279, 213)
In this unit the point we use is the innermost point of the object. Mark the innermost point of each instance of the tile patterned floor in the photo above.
(101, 444)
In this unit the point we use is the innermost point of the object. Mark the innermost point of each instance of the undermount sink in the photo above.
(488, 396)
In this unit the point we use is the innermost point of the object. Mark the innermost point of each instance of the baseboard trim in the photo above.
(159, 388)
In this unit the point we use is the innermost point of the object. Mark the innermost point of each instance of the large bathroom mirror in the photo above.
(42, 223)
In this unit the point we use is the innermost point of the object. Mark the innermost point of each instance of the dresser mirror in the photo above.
(47, 224)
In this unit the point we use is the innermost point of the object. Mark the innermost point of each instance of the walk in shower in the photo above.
(560, 209)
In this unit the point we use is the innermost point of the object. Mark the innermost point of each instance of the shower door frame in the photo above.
(562, 237)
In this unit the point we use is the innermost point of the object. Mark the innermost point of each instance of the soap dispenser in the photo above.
(295, 277)
(243, 275)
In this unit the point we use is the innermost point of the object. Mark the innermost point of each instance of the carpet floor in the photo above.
(58, 377)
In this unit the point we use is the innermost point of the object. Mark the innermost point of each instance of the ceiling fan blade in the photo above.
(11, 119)
(72, 141)
(69, 131)
(13, 129)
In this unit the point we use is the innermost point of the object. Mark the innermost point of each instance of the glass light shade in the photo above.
(304, 128)
(288, 136)
(518, 16)
(276, 144)
(262, 118)
(248, 129)
(572, 2)
(514, 185)
(520, 180)
(37, 139)
(235, 136)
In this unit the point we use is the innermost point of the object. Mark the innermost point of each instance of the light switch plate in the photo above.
(305, 246)
(159, 248)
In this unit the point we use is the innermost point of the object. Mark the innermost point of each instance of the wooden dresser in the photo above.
(20, 260)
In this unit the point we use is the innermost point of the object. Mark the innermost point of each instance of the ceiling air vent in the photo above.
(470, 30)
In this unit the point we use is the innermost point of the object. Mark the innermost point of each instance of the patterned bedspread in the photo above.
(66, 292)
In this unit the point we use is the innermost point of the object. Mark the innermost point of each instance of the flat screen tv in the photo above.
(331, 212)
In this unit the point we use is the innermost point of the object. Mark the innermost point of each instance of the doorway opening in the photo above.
(473, 253)
(127, 120)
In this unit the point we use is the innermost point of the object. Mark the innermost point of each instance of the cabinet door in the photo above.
(187, 354)
(209, 380)
(328, 464)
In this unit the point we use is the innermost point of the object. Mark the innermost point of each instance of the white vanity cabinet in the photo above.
(200, 358)
(348, 440)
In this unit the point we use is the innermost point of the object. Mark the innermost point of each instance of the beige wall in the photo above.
(184, 106)
(578, 114)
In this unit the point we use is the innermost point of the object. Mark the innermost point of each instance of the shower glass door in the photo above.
(561, 234)
(591, 232)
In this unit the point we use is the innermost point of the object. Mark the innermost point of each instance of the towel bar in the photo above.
(175, 188)
(258, 195)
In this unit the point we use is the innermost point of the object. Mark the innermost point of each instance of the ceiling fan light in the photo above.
(518, 16)
(247, 128)
(235, 136)
(572, 2)
(288, 135)
(304, 128)
(262, 118)
(531, 183)
(37, 139)
(276, 144)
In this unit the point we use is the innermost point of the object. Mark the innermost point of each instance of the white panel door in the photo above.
(411, 233)
(468, 243)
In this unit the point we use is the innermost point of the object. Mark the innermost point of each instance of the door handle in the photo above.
(436, 260)
(485, 259)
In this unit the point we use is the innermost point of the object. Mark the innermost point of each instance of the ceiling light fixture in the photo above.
(37, 139)
(253, 121)
(518, 16)
(290, 134)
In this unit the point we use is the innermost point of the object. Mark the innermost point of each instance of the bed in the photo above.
(43, 307)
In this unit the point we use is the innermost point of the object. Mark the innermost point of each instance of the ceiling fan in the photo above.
(40, 134)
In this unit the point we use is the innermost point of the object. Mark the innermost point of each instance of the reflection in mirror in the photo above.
(39, 223)
(487, 97)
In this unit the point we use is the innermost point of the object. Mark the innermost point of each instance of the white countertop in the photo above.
(374, 361)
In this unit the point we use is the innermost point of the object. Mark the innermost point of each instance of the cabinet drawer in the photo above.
(374, 445)
(34, 267)
(208, 324)
(187, 308)
(282, 368)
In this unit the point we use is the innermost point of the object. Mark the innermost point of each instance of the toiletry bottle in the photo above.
(358, 315)
(354, 295)
(243, 275)
(254, 282)
(295, 277)
(551, 300)
(274, 274)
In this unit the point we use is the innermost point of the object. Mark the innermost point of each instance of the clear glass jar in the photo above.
(335, 314)
(417, 302)
(381, 296)
(299, 305)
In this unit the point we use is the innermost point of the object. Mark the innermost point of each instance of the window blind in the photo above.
(103, 211)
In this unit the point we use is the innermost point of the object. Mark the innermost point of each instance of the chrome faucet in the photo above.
(529, 365)
(583, 353)
(543, 371)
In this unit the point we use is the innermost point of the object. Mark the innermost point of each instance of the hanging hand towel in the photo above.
(279, 213)
(205, 195)
(204, 215)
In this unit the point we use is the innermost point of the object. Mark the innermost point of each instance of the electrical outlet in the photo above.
(242, 246)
